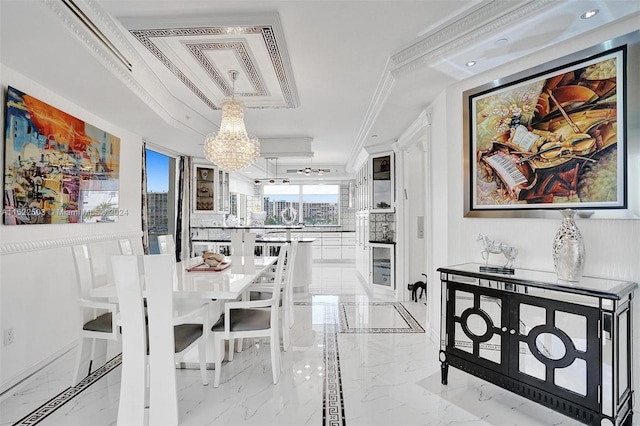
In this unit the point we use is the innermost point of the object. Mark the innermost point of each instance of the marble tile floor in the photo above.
(354, 360)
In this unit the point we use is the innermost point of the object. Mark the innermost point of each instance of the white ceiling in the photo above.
(318, 77)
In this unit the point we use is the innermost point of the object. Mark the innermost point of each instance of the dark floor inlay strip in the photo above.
(332, 398)
(48, 408)
(413, 326)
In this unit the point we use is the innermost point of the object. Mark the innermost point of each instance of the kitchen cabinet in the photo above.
(204, 189)
(210, 190)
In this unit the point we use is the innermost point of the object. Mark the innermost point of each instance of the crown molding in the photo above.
(140, 77)
(448, 37)
(383, 90)
(452, 36)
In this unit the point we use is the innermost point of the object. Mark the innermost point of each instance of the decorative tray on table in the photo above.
(204, 267)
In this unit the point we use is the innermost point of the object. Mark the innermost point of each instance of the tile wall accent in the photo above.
(347, 214)
(376, 221)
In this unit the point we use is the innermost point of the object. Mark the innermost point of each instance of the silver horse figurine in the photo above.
(492, 247)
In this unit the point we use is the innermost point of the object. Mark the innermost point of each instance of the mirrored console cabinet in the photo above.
(565, 346)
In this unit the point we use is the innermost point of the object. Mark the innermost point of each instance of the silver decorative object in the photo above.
(232, 220)
(288, 215)
(386, 232)
(568, 249)
(494, 247)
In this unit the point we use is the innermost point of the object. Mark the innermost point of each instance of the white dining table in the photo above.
(227, 284)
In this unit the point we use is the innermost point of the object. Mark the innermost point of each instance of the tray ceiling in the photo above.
(198, 58)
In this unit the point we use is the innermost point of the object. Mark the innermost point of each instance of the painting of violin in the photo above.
(552, 141)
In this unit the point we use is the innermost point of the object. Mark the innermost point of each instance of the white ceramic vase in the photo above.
(568, 249)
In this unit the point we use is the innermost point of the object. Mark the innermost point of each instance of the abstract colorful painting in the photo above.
(552, 140)
(58, 169)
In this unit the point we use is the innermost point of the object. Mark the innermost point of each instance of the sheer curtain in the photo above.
(143, 192)
(183, 221)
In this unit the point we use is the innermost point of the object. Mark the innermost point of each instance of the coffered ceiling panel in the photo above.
(194, 60)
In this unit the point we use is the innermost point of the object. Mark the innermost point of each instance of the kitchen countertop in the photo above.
(258, 240)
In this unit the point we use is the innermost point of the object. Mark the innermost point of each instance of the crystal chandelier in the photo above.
(231, 148)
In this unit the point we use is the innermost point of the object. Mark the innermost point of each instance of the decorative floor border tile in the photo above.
(332, 396)
(68, 394)
(413, 326)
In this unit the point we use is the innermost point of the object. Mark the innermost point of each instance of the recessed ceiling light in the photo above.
(470, 63)
(589, 14)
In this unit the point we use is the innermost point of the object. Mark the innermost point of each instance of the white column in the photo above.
(433, 285)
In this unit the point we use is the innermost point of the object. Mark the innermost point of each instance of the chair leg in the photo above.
(292, 317)
(275, 357)
(218, 349)
(77, 375)
(202, 357)
(285, 331)
(231, 349)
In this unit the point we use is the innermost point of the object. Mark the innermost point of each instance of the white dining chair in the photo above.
(251, 319)
(131, 246)
(96, 316)
(166, 244)
(133, 388)
(243, 244)
(172, 333)
(236, 243)
(262, 291)
(125, 246)
(291, 262)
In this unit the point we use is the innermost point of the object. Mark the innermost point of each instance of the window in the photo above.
(314, 204)
(160, 197)
(277, 198)
(321, 204)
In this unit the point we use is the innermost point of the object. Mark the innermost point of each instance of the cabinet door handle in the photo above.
(512, 331)
(504, 329)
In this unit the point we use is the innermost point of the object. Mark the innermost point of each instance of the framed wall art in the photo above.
(551, 138)
(57, 168)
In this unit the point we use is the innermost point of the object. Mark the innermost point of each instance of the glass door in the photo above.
(223, 191)
(382, 266)
(382, 190)
(204, 189)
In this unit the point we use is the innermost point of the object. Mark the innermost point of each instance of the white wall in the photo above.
(38, 287)
(416, 254)
(613, 246)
